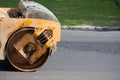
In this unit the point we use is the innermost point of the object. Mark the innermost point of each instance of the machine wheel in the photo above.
(19, 48)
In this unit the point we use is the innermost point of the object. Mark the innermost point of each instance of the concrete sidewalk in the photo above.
(91, 28)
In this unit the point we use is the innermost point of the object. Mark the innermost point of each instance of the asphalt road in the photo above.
(81, 55)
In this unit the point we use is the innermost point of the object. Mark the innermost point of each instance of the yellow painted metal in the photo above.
(3, 13)
(9, 25)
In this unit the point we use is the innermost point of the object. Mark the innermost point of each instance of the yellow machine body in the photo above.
(11, 28)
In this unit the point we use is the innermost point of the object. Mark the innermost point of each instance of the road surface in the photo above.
(81, 55)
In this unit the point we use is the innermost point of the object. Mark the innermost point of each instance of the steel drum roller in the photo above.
(20, 48)
(30, 36)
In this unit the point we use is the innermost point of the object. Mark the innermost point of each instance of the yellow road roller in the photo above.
(28, 35)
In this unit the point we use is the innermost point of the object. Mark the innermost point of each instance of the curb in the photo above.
(93, 28)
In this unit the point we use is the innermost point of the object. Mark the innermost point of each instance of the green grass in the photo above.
(80, 12)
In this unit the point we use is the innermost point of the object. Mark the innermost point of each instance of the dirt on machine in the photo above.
(28, 35)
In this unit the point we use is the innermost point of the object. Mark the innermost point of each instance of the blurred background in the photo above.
(80, 12)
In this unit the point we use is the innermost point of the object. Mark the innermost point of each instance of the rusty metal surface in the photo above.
(17, 42)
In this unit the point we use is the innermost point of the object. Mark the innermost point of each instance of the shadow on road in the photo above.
(6, 66)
